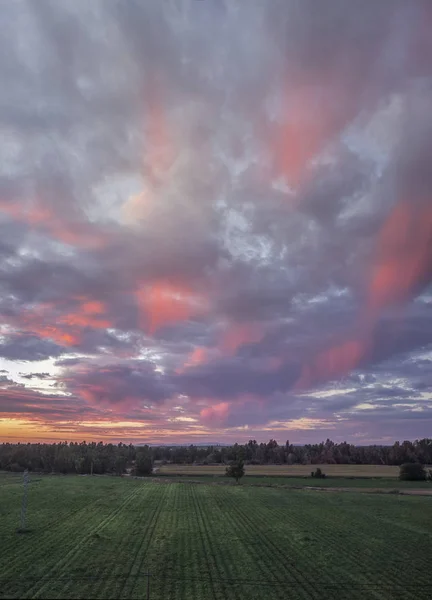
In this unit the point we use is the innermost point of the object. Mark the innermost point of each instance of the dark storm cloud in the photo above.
(267, 163)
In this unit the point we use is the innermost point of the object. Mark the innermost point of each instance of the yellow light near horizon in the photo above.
(12, 423)
(22, 430)
(113, 424)
(19, 430)
(303, 423)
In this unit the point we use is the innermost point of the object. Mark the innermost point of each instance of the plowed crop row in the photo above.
(98, 537)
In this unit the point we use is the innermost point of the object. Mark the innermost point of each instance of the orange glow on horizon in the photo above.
(20, 428)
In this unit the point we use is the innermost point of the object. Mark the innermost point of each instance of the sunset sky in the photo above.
(216, 220)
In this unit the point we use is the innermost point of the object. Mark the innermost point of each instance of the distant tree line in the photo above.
(99, 458)
(82, 458)
(327, 452)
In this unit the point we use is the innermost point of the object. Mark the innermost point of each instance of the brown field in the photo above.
(286, 470)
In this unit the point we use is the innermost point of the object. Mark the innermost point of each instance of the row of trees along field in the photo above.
(100, 458)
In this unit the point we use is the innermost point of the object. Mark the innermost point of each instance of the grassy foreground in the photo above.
(96, 537)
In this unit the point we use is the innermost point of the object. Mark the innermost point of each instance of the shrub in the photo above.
(412, 472)
(318, 473)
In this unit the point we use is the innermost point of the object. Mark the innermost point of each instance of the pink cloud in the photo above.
(216, 414)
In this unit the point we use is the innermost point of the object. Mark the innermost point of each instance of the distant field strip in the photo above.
(286, 470)
(98, 537)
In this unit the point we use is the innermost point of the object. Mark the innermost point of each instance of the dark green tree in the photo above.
(235, 470)
(120, 463)
(143, 464)
(412, 472)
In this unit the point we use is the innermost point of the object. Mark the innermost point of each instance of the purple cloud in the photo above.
(216, 216)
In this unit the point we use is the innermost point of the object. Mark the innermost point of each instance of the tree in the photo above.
(318, 473)
(120, 464)
(235, 470)
(100, 458)
(143, 464)
(412, 472)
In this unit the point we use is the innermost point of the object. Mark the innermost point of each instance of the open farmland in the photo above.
(367, 477)
(287, 470)
(96, 537)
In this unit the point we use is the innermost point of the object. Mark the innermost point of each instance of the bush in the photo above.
(318, 473)
(412, 472)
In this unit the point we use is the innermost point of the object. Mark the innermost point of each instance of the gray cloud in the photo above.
(138, 383)
(29, 348)
(254, 159)
(35, 375)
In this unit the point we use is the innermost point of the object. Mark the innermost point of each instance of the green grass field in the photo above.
(379, 483)
(372, 477)
(287, 470)
(95, 537)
